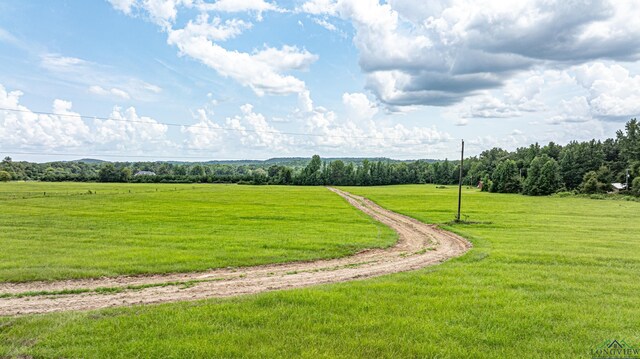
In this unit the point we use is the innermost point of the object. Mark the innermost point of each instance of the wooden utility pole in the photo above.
(460, 182)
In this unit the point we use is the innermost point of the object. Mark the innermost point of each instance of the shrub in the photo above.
(635, 186)
(5, 176)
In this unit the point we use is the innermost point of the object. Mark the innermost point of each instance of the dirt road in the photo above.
(419, 245)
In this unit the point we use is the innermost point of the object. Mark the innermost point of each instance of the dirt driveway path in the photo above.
(419, 245)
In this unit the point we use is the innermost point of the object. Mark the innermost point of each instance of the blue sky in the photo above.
(238, 79)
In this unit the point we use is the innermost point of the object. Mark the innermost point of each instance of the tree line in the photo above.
(586, 167)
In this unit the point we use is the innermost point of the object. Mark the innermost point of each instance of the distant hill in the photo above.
(281, 161)
(89, 160)
(302, 161)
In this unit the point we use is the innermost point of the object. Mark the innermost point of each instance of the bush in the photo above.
(590, 184)
(5, 176)
(635, 186)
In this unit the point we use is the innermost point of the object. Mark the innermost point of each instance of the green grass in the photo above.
(548, 278)
(140, 229)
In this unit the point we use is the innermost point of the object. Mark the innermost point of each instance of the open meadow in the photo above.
(547, 276)
(78, 230)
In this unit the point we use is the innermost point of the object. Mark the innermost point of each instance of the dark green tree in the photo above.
(109, 173)
(590, 183)
(125, 174)
(629, 141)
(552, 150)
(578, 158)
(543, 177)
(197, 171)
(312, 175)
(506, 178)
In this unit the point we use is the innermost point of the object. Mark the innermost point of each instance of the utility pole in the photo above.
(460, 182)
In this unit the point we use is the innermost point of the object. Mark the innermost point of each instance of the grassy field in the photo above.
(60, 230)
(548, 277)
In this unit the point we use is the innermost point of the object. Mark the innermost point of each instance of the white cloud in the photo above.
(56, 62)
(263, 135)
(216, 30)
(286, 58)
(98, 90)
(526, 94)
(126, 130)
(259, 71)
(204, 134)
(239, 6)
(305, 104)
(146, 86)
(25, 129)
(613, 92)
(575, 110)
(263, 70)
(123, 5)
(358, 106)
(163, 12)
(318, 7)
(67, 130)
(246, 131)
(326, 24)
(369, 137)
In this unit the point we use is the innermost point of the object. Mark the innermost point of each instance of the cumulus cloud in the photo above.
(248, 130)
(264, 70)
(358, 106)
(286, 58)
(439, 53)
(23, 128)
(614, 94)
(204, 134)
(125, 129)
(263, 135)
(66, 129)
(363, 135)
(305, 104)
(575, 110)
(259, 71)
(518, 96)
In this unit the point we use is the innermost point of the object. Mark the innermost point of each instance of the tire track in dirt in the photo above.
(419, 245)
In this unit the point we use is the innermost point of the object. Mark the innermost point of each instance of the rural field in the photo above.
(143, 229)
(546, 277)
(282, 179)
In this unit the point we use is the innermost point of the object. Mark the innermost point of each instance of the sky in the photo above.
(199, 80)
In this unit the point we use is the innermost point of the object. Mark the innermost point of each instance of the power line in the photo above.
(100, 155)
(207, 127)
